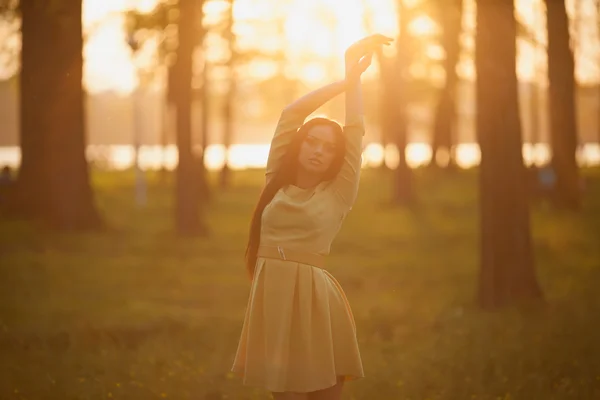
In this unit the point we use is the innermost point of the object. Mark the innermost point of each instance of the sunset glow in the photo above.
(242, 156)
(314, 33)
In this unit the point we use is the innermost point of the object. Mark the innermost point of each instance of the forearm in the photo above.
(310, 102)
(346, 182)
(354, 101)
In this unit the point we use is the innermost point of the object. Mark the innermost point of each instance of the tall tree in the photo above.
(507, 266)
(188, 219)
(159, 20)
(534, 99)
(450, 16)
(563, 117)
(598, 88)
(228, 104)
(53, 182)
(204, 127)
(396, 105)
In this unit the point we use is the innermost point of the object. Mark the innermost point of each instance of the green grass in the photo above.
(138, 313)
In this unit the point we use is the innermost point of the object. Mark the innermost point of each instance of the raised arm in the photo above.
(358, 59)
(345, 184)
(292, 117)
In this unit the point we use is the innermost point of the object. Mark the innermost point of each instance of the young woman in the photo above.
(298, 339)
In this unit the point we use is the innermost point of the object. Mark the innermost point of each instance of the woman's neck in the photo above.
(306, 180)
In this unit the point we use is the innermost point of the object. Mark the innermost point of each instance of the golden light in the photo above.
(373, 155)
(313, 30)
(435, 52)
(538, 154)
(422, 25)
(108, 63)
(314, 73)
(467, 155)
(417, 154)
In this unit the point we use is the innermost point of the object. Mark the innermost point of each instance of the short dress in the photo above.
(299, 333)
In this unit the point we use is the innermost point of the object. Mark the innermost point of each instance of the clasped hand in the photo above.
(359, 55)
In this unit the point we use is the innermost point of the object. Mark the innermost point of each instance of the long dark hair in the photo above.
(286, 175)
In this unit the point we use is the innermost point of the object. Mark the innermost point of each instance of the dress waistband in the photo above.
(302, 257)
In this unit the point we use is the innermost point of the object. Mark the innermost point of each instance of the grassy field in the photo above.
(138, 313)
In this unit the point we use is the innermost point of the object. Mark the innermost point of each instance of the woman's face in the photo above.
(318, 150)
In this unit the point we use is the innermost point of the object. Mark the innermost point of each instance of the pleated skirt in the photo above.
(299, 333)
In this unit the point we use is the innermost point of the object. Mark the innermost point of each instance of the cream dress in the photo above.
(299, 333)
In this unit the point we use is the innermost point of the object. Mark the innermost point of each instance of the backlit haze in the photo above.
(314, 34)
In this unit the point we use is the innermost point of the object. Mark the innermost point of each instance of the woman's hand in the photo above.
(354, 72)
(358, 56)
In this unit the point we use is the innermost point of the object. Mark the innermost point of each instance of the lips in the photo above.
(315, 161)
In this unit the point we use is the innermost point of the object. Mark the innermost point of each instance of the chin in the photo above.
(317, 170)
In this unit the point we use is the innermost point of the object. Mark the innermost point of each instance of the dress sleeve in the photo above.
(345, 185)
(288, 125)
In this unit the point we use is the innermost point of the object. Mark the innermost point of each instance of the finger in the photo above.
(379, 38)
(365, 62)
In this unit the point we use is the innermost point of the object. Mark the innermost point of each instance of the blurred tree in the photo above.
(162, 23)
(10, 25)
(535, 98)
(563, 117)
(395, 102)
(598, 63)
(507, 265)
(188, 219)
(137, 28)
(228, 104)
(450, 20)
(180, 31)
(386, 99)
(53, 181)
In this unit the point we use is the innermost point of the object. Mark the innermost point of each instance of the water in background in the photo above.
(242, 156)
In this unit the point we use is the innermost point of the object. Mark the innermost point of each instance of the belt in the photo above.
(302, 257)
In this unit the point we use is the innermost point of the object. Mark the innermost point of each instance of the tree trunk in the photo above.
(187, 193)
(507, 266)
(205, 126)
(403, 179)
(446, 111)
(54, 183)
(598, 66)
(563, 119)
(166, 128)
(386, 102)
(225, 176)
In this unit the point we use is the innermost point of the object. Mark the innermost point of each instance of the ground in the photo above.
(138, 313)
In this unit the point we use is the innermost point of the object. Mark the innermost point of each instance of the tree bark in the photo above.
(54, 183)
(445, 116)
(386, 100)
(507, 271)
(228, 113)
(598, 66)
(563, 117)
(403, 192)
(205, 126)
(187, 191)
